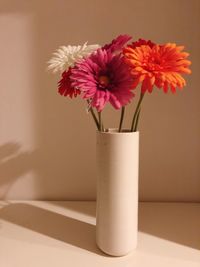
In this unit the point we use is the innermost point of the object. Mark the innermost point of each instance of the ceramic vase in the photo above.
(117, 156)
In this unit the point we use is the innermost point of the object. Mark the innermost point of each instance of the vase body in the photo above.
(117, 191)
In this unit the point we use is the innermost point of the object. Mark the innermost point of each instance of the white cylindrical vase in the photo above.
(117, 191)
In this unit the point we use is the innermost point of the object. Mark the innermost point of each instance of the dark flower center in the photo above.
(104, 81)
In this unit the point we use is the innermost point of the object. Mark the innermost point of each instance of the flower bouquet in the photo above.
(111, 74)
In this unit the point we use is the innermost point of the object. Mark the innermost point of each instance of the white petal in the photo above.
(66, 56)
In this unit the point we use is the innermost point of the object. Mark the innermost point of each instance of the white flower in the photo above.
(67, 56)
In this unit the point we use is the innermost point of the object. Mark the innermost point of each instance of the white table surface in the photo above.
(62, 233)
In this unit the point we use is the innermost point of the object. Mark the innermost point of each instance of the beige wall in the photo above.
(47, 143)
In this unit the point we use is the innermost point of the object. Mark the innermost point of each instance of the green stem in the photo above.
(94, 116)
(137, 120)
(103, 129)
(136, 112)
(121, 118)
(100, 121)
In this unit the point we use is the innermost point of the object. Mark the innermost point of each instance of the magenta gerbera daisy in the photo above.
(103, 77)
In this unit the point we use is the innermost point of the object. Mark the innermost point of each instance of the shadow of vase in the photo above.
(53, 225)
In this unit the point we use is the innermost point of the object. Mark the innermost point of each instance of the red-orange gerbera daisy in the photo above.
(160, 65)
(65, 87)
(141, 42)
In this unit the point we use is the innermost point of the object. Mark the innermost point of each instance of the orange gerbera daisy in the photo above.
(160, 65)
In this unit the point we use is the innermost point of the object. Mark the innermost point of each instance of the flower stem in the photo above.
(137, 120)
(121, 118)
(100, 121)
(94, 116)
(136, 113)
(103, 129)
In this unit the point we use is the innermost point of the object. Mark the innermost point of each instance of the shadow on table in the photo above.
(84, 207)
(176, 222)
(51, 224)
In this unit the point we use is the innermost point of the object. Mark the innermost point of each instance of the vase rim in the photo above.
(116, 131)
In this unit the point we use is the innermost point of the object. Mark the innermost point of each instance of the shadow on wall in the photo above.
(13, 165)
(63, 146)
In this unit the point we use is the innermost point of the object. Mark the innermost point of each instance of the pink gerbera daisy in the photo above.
(103, 77)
